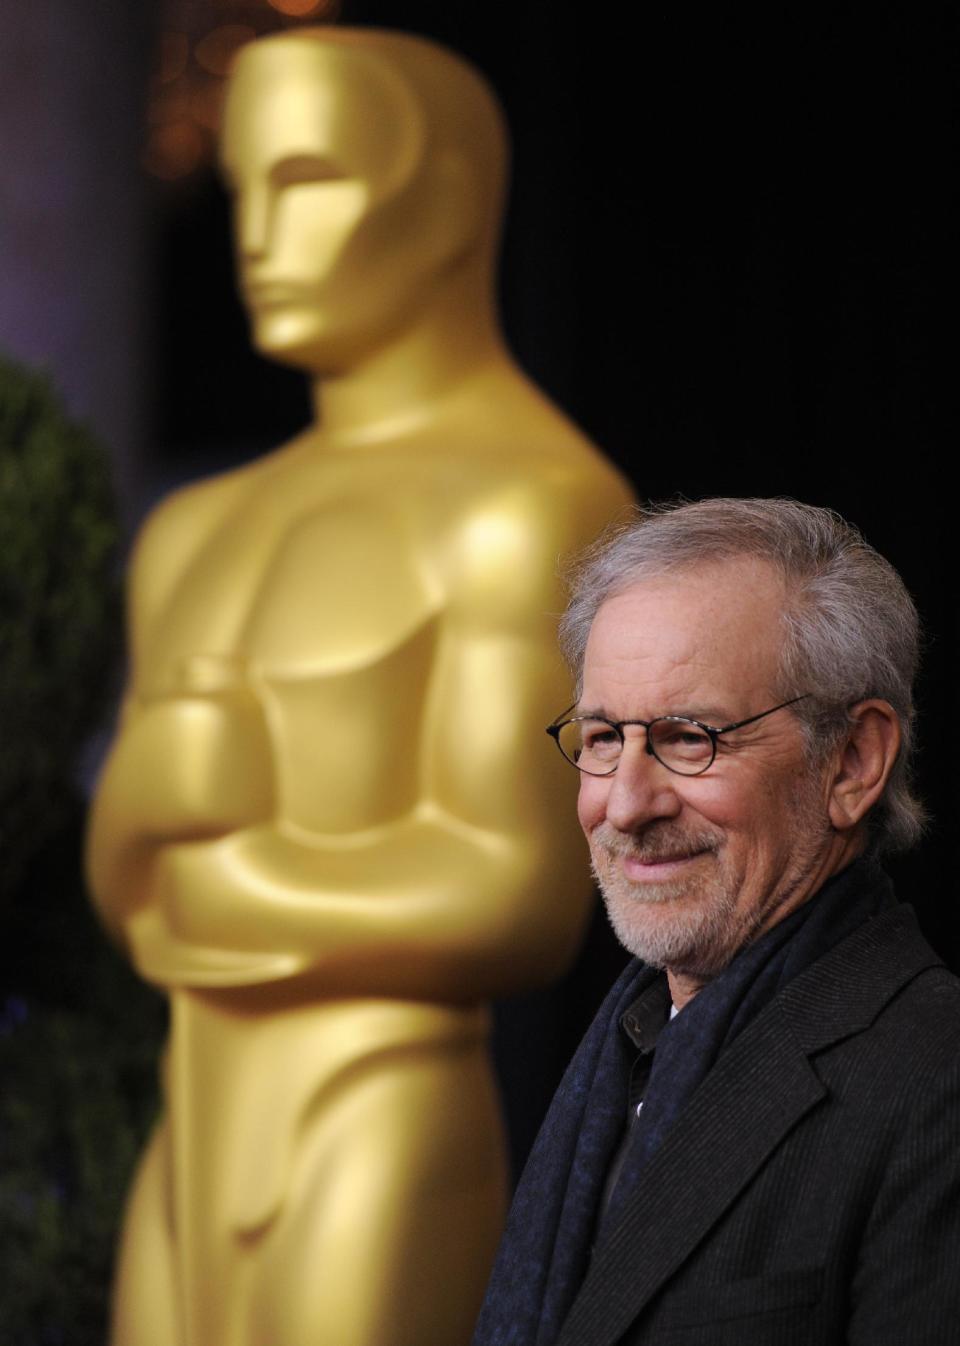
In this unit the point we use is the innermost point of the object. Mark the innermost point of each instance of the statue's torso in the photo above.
(324, 593)
(331, 586)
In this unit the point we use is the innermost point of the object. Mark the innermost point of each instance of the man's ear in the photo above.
(864, 762)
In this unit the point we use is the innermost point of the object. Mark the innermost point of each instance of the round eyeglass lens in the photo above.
(592, 745)
(681, 745)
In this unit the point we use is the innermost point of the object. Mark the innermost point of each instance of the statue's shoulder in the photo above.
(556, 492)
(519, 430)
(507, 540)
(177, 528)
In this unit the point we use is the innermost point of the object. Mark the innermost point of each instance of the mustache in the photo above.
(660, 843)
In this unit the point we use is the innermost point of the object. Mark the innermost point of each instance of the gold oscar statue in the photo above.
(330, 827)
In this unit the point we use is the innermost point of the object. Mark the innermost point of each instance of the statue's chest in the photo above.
(329, 614)
(316, 590)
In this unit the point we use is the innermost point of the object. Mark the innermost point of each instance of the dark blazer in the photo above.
(809, 1193)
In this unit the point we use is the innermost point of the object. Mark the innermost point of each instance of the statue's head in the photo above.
(367, 170)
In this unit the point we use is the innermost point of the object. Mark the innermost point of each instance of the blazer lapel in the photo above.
(756, 1093)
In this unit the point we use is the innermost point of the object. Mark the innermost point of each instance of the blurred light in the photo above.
(172, 57)
(216, 51)
(170, 105)
(298, 8)
(206, 105)
(174, 150)
(197, 44)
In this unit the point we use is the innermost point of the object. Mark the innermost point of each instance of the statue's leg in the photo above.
(394, 1210)
(145, 1309)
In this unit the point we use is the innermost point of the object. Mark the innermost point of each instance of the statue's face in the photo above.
(322, 149)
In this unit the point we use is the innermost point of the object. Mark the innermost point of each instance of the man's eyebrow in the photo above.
(592, 713)
(713, 716)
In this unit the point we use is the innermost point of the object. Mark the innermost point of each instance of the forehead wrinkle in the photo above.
(634, 698)
(706, 642)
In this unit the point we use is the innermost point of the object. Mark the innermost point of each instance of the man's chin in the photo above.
(669, 924)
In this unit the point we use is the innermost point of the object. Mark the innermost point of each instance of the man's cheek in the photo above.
(590, 809)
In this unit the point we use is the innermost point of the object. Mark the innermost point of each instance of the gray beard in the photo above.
(692, 925)
(695, 928)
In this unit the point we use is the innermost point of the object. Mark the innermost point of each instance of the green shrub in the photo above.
(59, 619)
(78, 1047)
(78, 1033)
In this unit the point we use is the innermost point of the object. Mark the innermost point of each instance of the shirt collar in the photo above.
(642, 1020)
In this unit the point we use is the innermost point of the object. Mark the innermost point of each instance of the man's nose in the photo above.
(641, 789)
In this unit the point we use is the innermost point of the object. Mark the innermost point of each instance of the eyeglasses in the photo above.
(686, 746)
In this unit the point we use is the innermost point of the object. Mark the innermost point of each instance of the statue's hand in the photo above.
(190, 762)
(213, 896)
(163, 957)
(194, 759)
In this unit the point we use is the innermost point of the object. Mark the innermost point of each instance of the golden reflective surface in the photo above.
(331, 826)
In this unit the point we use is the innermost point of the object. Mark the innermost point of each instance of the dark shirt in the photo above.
(641, 1025)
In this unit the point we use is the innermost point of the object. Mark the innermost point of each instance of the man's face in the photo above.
(692, 867)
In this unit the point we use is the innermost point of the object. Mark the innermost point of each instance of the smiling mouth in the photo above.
(661, 854)
(652, 868)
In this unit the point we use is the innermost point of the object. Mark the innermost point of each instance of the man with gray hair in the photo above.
(758, 1141)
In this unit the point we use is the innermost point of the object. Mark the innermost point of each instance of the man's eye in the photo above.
(681, 742)
(688, 737)
(601, 741)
